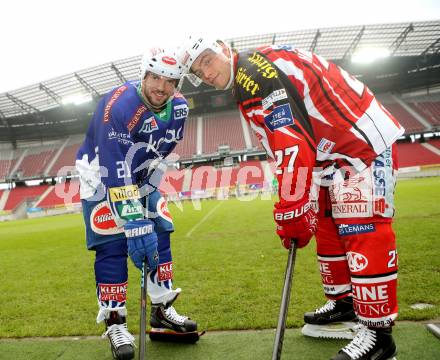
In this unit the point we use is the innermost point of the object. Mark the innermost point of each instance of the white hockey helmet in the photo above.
(161, 62)
(191, 49)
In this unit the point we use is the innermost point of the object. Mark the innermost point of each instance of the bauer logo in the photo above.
(355, 229)
(165, 271)
(356, 262)
(325, 145)
(102, 221)
(280, 116)
(129, 192)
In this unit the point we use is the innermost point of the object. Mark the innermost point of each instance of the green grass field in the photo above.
(230, 266)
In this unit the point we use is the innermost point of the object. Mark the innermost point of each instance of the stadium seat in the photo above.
(414, 154)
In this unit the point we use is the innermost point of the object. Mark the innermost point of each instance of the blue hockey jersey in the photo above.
(123, 140)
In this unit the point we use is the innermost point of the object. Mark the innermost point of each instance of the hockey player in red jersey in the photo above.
(333, 144)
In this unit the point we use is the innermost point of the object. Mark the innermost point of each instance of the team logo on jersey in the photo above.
(149, 126)
(356, 262)
(169, 60)
(165, 271)
(280, 116)
(325, 145)
(180, 112)
(102, 221)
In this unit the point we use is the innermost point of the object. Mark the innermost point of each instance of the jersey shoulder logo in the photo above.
(180, 111)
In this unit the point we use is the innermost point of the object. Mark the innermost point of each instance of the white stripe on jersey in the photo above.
(259, 130)
(288, 68)
(289, 133)
(332, 258)
(356, 162)
(379, 128)
(336, 289)
(374, 280)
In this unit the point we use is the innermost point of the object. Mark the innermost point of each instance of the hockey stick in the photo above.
(143, 320)
(285, 299)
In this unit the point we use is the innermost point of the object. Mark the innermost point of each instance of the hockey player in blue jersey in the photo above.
(134, 127)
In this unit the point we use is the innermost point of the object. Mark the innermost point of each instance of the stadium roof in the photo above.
(417, 39)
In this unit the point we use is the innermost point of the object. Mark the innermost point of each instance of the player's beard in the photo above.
(154, 103)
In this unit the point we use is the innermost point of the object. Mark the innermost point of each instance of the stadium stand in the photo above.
(222, 129)
(435, 143)
(67, 156)
(8, 160)
(51, 199)
(414, 154)
(24, 193)
(430, 110)
(187, 147)
(409, 122)
(35, 162)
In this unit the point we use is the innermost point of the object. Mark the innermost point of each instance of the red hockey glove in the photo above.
(297, 222)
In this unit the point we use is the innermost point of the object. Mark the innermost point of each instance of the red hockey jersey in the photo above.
(309, 115)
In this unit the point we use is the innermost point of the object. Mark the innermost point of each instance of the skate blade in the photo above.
(168, 335)
(341, 330)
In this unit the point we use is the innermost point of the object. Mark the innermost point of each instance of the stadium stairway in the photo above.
(3, 198)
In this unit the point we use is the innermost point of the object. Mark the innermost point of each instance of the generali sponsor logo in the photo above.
(102, 221)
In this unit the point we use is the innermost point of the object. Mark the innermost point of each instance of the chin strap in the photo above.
(231, 73)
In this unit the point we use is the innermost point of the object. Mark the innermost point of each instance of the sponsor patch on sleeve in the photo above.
(280, 116)
(273, 97)
(325, 145)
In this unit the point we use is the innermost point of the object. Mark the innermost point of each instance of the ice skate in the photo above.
(335, 320)
(121, 341)
(168, 325)
(369, 344)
